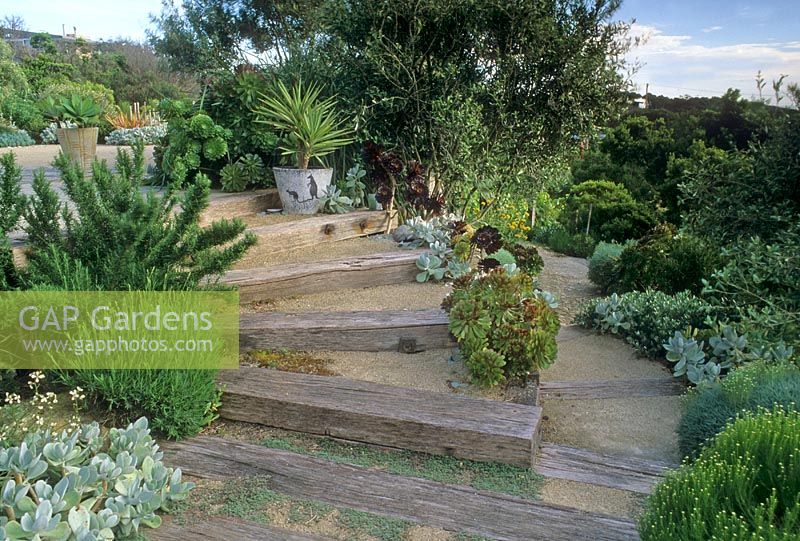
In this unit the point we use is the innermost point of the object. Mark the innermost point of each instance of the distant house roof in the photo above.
(18, 35)
(24, 36)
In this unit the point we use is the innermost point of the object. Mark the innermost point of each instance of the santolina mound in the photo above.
(104, 318)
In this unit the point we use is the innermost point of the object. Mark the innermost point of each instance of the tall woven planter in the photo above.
(80, 144)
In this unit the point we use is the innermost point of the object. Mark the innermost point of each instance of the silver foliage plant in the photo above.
(85, 486)
(438, 263)
(150, 135)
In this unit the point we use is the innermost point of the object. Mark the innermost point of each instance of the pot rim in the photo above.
(298, 169)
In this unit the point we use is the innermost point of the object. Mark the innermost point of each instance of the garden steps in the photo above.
(408, 331)
(316, 229)
(625, 473)
(221, 527)
(238, 205)
(385, 415)
(451, 507)
(613, 388)
(269, 283)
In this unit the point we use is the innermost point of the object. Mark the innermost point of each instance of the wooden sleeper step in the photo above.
(408, 331)
(613, 388)
(222, 528)
(314, 230)
(263, 284)
(397, 417)
(450, 507)
(581, 465)
(238, 205)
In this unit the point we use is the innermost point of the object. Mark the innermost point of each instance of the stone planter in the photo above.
(301, 190)
(79, 144)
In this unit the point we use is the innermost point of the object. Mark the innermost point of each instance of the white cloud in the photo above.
(675, 65)
(712, 29)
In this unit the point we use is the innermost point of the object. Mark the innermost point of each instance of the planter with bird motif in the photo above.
(301, 190)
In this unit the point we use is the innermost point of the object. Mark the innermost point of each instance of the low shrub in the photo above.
(85, 484)
(664, 261)
(48, 134)
(179, 403)
(573, 244)
(603, 264)
(646, 319)
(743, 485)
(117, 238)
(708, 408)
(15, 138)
(149, 135)
(759, 285)
(506, 328)
(22, 111)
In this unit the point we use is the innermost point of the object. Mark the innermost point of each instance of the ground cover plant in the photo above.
(86, 484)
(743, 485)
(705, 344)
(256, 501)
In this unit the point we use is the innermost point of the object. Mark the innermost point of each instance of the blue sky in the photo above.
(705, 47)
(692, 47)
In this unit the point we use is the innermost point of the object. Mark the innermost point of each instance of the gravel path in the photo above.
(41, 157)
(636, 427)
(566, 277)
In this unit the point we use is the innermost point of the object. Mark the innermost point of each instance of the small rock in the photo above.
(403, 234)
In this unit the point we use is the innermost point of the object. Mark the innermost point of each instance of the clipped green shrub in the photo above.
(603, 264)
(505, 328)
(665, 261)
(573, 244)
(86, 484)
(615, 214)
(743, 485)
(708, 408)
(646, 319)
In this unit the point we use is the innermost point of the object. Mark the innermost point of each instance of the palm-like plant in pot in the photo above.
(310, 128)
(77, 118)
